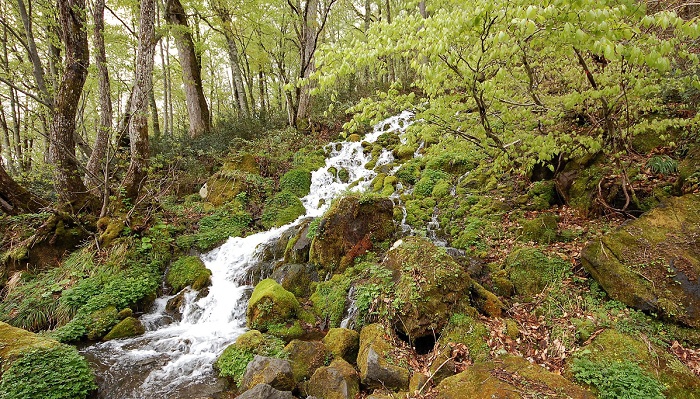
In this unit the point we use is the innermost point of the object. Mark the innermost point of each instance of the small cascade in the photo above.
(433, 227)
(174, 359)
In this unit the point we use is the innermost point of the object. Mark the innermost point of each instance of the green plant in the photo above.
(235, 358)
(57, 372)
(617, 380)
(297, 181)
(662, 164)
(281, 209)
(429, 178)
(188, 270)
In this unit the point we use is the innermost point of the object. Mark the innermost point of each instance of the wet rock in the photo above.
(268, 370)
(348, 229)
(265, 391)
(373, 360)
(296, 278)
(305, 357)
(129, 327)
(511, 378)
(430, 286)
(174, 306)
(343, 343)
(270, 304)
(653, 263)
(337, 381)
(298, 246)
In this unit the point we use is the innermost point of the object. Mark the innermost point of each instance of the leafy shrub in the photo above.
(617, 380)
(297, 181)
(57, 372)
(662, 164)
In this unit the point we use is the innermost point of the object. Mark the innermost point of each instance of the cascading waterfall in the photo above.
(175, 359)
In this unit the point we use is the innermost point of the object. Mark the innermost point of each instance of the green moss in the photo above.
(467, 330)
(542, 229)
(531, 271)
(329, 299)
(296, 181)
(101, 321)
(281, 209)
(542, 195)
(344, 175)
(305, 358)
(235, 358)
(228, 221)
(188, 270)
(429, 178)
(286, 332)
(270, 304)
(129, 327)
(342, 343)
(409, 172)
(441, 189)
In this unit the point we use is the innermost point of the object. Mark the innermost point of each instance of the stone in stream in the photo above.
(268, 370)
(270, 304)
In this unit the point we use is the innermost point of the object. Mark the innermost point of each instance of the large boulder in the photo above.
(296, 278)
(265, 391)
(305, 357)
(373, 360)
(337, 381)
(343, 343)
(268, 370)
(188, 271)
(653, 263)
(430, 286)
(233, 361)
(349, 228)
(511, 378)
(270, 304)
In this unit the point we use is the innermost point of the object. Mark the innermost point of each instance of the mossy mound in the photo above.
(627, 364)
(283, 208)
(188, 271)
(349, 228)
(542, 195)
(270, 304)
(234, 359)
(238, 175)
(653, 263)
(430, 286)
(530, 271)
(343, 343)
(110, 229)
(296, 181)
(129, 327)
(35, 367)
(510, 378)
(305, 357)
(375, 357)
(542, 229)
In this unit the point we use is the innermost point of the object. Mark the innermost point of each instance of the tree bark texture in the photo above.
(197, 108)
(14, 199)
(67, 178)
(138, 123)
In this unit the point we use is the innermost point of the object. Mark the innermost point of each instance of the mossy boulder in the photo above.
(100, 322)
(236, 176)
(653, 263)
(349, 228)
(510, 378)
(430, 286)
(343, 343)
(305, 357)
(375, 357)
(274, 372)
(234, 359)
(530, 271)
(337, 381)
(283, 208)
(329, 299)
(296, 181)
(296, 278)
(109, 229)
(36, 367)
(462, 329)
(297, 247)
(270, 304)
(613, 350)
(188, 271)
(265, 391)
(542, 229)
(129, 327)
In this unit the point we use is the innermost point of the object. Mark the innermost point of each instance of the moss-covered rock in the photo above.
(653, 263)
(35, 367)
(297, 248)
(349, 228)
(234, 359)
(462, 329)
(542, 229)
(237, 175)
(613, 351)
(270, 304)
(329, 298)
(268, 370)
(511, 378)
(297, 181)
(374, 360)
(101, 321)
(188, 271)
(430, 286)
(337, 381)
(110, 229)
(542, 195)
(343, 343)
(265, 391)
(283, 208)
(296, 278)
(305, 357)
(531, 271)
(129, 327)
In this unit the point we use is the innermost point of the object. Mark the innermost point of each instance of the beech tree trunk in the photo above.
(14, 199)
(138, 123)
(72, 193)
(308, 40)
(197, 108)
(104, 130)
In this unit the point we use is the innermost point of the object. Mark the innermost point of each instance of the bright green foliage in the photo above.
(56, 372)
(296, 181)
(429, 178)
(662, 164)
(329, 299)
(617, 380)
(281, 209)
(188, 270)
(225, 222)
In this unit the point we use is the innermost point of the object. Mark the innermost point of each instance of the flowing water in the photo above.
(174, 359)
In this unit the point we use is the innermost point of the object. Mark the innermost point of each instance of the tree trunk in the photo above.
(14, 199)
(138, 123)
(37, 67)
(67, 179)
(309, 36)
(104, 130)
(197, 108)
